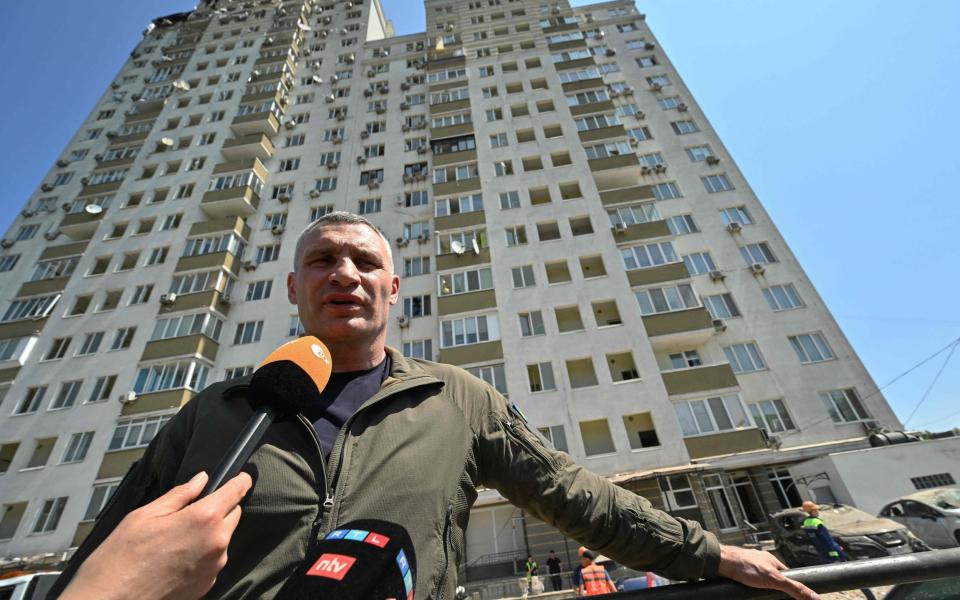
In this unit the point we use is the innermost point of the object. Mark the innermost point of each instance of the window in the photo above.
(931, 481)
(417, 265)
(422, 349)
(722, 413)
(721, 306)
(736, 214)
(596, 437)
(188, 374)
(666, 299)
(677, 492)
(716, 183)
(157, 256)
(516, 236)
(289, 164)
(416, 306)
(101, 495)
(844, 406)
(682, 225)
(811, 347)
(136, 433)
(509, 200)
(171, 222)
(102, 388)
(141, 294)
(248, 332)
(67, 396)
(503, 167)
(556, 436)
(540, 377)
(548, 230)
(666, 191)
(36, 307)
(26, 232)
(463, 204)
(523, 276)
(58, 349)
(466, 281)
(77, 447)
(7, 263)
(744, 358)
(684, 127)
(31, 400)
(699, 263)
(758, 253)
(687, 359)
(417, 198)
(295, 328)
(771, 415)
(267, 253)
(469, 330)
(640, 431)
(782, 297)
(649, 255)
(634, 214)
(49, 516)
(111, 300)
(498, 140)
(531, 323)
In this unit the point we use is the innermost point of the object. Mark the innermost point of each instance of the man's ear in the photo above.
(291, 288)
(394, 289)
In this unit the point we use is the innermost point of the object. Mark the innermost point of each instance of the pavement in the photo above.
(879, 592)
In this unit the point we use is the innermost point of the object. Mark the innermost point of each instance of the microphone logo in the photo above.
(332, 566)
(318, 351)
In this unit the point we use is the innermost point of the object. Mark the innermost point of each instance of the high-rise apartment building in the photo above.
(567, 226)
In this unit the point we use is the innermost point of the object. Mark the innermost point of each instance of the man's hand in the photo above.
(760, 570)
(168, 549)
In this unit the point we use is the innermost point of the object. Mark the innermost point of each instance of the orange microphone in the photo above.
(286, 382)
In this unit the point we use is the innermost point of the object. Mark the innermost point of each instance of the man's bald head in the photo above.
(339, 217)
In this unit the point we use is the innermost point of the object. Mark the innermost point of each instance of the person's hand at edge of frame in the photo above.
(759, 569)
(171, 548)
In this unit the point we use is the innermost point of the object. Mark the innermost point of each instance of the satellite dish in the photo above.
(457, 247)
(93, 209)
(476, 246)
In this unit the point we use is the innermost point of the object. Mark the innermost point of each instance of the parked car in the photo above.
(932, 515)
(859, 534)
(33, 586)
(939, 589)
(649, 580)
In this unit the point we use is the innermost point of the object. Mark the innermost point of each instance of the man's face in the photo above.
(344, 284)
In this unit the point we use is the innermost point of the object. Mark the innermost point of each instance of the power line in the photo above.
(932, 383)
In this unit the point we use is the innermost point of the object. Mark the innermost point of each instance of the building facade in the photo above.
(567, 226)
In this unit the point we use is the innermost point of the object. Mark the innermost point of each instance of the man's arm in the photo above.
(606, 517)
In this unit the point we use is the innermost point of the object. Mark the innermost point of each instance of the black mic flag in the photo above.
(367, 559)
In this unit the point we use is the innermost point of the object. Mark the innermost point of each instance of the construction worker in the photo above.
(596, 580)
(827, 548)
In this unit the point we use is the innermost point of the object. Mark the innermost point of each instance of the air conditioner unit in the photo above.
(277, 230)
(655, 87)
(407, 177)
(284, 198)
(634, 142)
(614, 94)
(719, 325)
(85, 180)
(682, 107)
(757, 268)
(290, 124)
(627, 91)
(249, 265)
(712, 160)
(404, 86)
(361, 159)
(400, 200)
(717, 275)
(66, 206)
(404, 105)
(645, 170)
(127, 398)
(27, 212)
(314, 193)
(63, 163)
(365, 134)
(619, 227)
(5, 243)
(423, 238)
(336, 139)
(661, 168)
(373, 184)
(611, 52)
(46, 187)
(649, 46)
(368, 92)
(52, 235)
(401, 242)
(405, 127)
(167, 299)
(98, 157)
(555, 10)
(734, 227)
(330, 99)
(333, 164)
(350, 57)
(371, 73)
(421, 150)
(381, 110)
(420, 175)
(403, 321)
(590, 19)
(341, 116)
(640, 115)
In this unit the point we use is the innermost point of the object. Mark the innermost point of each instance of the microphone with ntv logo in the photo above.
(287, 381)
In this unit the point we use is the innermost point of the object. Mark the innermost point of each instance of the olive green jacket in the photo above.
(414, 454)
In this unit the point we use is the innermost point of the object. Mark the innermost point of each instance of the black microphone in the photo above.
(285, 383)
(367, 559)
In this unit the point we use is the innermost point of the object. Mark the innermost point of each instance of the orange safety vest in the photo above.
(596, 581)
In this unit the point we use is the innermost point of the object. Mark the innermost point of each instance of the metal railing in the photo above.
(920, 566)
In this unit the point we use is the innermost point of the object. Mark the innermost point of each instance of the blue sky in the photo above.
(840, 114)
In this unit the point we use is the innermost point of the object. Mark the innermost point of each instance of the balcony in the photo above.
(81, 225)
(679, 329)
(154, 401)
(645, 231)
(699, 379)
(208, 262)
(593, 107)
(603, 133)
(615, 171)
(449, 158)
(724, 443)
(188, 345)
(209, 299)
(116, 464)
(261, 122)
(232, 202)
(22, 328)
(458, 303)
(456, 187)
(472, 353)
(627, 194)
(459, 261)
(661, 274)
(443, 107)
(256, 145)
(583, 84)
(451, 131)
(100, 188)
(83, 530)
(566, 45)
(580, 63)
(464, 219)
(227, 224)
(45, 286)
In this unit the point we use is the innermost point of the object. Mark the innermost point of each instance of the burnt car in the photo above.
(932, 515)
(859, 534)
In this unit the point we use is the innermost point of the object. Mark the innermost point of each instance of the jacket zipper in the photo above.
(327, 517)
(323, 487)
(442, 574)
(523, 441)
